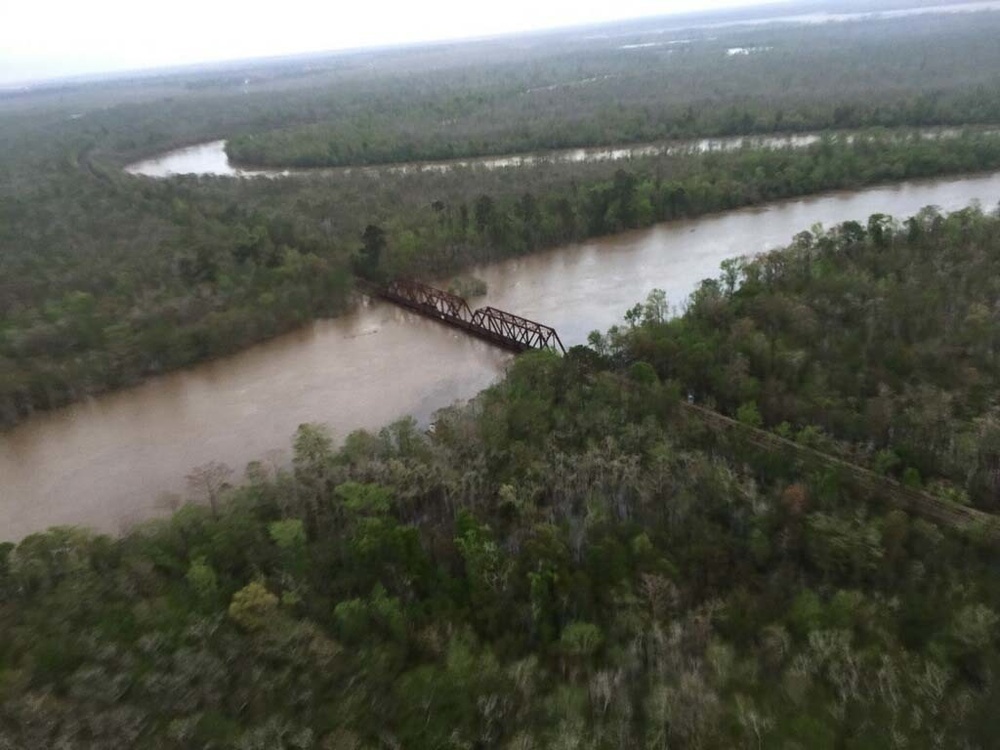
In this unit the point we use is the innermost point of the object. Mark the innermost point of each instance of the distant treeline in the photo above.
(901, 72)
(569, 561)
(107, 278)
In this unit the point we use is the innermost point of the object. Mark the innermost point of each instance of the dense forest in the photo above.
(764, 522)
(108, 278)
(655, 85)
(878, 341)
(574, 559)
(112, 278)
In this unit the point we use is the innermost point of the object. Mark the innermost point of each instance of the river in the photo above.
(104, 463)
(211, 158)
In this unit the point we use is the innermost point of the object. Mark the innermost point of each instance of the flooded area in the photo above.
(210, 159)
(202, 159)
(105, 462)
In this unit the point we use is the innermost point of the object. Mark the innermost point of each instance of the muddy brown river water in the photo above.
(105, 462)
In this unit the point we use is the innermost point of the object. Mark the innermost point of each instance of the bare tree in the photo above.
(206, 482)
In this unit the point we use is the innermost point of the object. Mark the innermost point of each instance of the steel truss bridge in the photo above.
(501, 328)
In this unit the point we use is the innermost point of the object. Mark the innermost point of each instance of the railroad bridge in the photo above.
(498, 327)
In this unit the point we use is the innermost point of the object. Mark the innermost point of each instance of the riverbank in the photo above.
(377, 364)
(426, 243)
(211, 158)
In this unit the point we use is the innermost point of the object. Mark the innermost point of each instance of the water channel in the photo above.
(103, 463)
(211, 158)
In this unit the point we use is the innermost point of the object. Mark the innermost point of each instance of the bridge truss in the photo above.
(499, 327)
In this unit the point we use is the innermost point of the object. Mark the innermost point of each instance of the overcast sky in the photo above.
(48, 38)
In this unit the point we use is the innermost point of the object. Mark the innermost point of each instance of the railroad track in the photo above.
(967, 520)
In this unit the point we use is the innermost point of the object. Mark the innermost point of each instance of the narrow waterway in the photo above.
(211, 158)
(104, 463)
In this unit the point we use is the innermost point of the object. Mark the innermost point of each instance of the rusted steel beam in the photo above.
(527, 332)
(433, 299)
(488, 323)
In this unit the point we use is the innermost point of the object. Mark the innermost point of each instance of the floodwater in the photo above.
(202, 159)
(105, 462)
(211, 159)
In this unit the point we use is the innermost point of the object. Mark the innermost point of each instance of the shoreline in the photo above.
(591, 153)
(357, 298)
